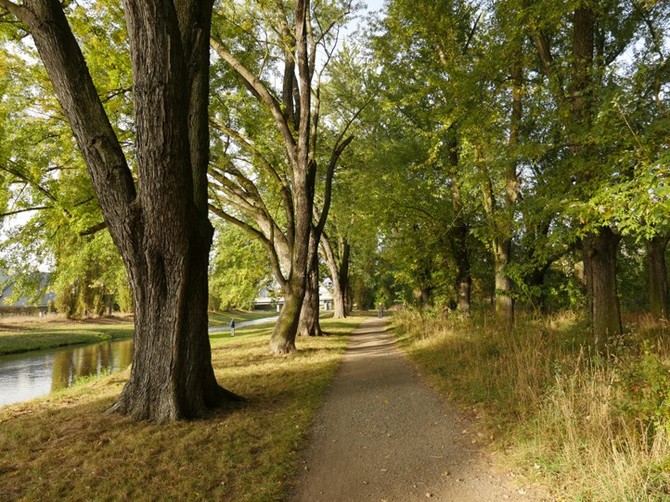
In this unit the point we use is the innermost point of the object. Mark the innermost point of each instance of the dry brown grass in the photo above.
(64, 447)
(23, 322)
(594, 427)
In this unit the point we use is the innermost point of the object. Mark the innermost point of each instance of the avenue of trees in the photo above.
(451, 155)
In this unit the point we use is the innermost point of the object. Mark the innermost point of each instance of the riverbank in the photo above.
(23, 334)
(64, 446)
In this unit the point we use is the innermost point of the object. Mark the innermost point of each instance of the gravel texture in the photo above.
(383, 435)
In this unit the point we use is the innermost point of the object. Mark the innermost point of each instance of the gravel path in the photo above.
(383, 435)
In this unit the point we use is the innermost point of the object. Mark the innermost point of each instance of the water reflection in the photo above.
(24, 377)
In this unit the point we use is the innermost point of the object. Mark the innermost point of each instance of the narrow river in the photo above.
(34, 374)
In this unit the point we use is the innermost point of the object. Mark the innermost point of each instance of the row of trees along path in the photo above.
(382, 434)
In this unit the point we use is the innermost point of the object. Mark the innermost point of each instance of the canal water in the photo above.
(29, 375)
(34, 374)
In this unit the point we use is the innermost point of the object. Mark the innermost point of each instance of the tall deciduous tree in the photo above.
(156, 216)
(44, 177)
(337, 259)
(270, 191)
(579, 47)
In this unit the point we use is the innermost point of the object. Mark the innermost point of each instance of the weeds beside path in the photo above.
(382, 434)
(589, 426)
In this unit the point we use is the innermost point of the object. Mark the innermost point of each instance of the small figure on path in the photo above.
(380, 310)
(232, 327)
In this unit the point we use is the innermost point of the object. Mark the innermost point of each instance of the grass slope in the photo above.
(592, 427)
(64, 447)
(23, 334)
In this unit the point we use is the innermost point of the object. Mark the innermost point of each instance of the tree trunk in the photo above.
(459, 239)
(504, 304)
(171, 375)
(658, 276)
(342, 288)
(600, 271)
(303, 181)
(340, 307)
(600, 246)
(309, 314)
(535, 281)
(339, 272)
(161, 228)
(286, 328)
(462, 258)
(502, 244)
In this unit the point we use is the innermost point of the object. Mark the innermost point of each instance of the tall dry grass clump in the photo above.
(594, 426)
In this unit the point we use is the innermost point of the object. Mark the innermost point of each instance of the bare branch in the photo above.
(26, 210)
(24, 177)
(263, 94)
(94, 229)
(247, 144)
(256, 234)
(337, 151)
(340, 145)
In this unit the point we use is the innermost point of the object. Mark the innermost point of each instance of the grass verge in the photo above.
(23, 334)
(64, 447)
(591, 427)
(47, 337)
(223, 318)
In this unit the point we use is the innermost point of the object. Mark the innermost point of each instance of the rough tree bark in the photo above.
(658, 276)
(600, 245)
(161, 226)
(600, 271)
(309, 314)
(459, 232)
(577, 110)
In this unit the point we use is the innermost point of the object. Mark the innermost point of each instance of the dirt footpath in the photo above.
(383, 435)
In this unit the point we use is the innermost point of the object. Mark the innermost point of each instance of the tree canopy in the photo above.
(448, 155)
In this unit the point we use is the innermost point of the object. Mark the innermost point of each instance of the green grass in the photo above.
(591, 427)
(64, 447)
(45, 338)
(223, 318)
(32, 333)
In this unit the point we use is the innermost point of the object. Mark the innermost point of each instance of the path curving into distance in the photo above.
(383, 435)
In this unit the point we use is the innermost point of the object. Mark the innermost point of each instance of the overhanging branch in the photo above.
(263, 95)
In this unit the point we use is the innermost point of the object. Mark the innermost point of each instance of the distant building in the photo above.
(25, 305)
(267, 299)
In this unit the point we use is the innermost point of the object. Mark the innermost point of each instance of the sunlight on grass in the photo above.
(25, 333)
(65, 447)
(13, 343)
(593, 427)
(223, 318)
